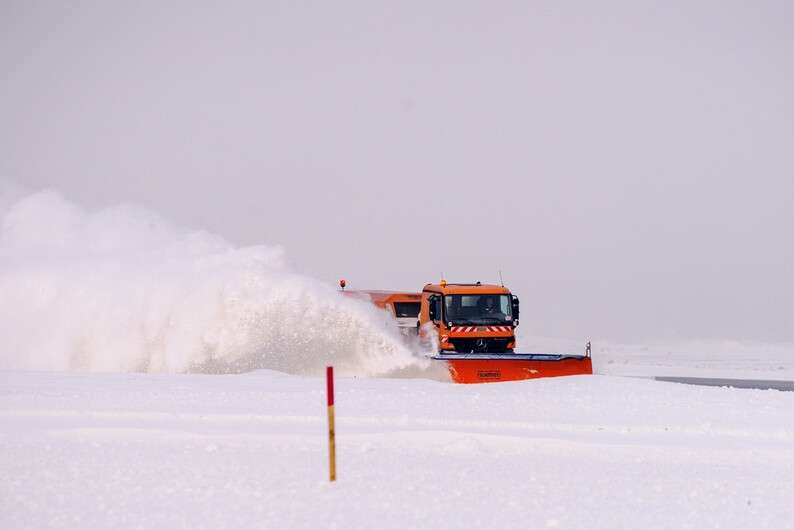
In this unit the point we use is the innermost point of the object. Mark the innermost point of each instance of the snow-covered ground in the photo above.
(89, 440)
(249, 450)
(704, 358)
(728, 359)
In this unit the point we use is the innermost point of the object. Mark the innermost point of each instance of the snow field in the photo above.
(250, 451)
(729, 359)
(120, 290)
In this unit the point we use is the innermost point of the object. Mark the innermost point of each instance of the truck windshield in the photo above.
(478, 308)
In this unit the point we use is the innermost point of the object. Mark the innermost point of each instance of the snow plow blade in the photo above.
(496, 367)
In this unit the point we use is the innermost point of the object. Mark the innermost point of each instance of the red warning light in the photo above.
(342, 284)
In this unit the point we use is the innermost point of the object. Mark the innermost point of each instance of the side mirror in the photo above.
(515, 308)
(432, 312)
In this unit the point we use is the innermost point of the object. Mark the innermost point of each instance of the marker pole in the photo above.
(329, 376)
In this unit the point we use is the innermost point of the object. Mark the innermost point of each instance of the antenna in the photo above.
(501, 281)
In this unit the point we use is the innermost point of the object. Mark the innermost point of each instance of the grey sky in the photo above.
(629, 166)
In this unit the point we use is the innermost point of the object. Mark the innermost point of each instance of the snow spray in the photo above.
(122, 290)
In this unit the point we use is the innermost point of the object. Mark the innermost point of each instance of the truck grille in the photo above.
(488, 344)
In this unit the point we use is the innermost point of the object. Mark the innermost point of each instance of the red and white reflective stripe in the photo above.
(471, 329)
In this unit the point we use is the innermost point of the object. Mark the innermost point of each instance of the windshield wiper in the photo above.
(478, 321)
(493, 320)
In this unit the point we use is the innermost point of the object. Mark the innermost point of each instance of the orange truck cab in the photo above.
(470, 317)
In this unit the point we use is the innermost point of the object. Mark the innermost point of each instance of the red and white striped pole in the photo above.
(329, 377)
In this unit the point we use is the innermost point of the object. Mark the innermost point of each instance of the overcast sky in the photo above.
(629, 166)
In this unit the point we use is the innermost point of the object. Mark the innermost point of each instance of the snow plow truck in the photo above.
(474, 326)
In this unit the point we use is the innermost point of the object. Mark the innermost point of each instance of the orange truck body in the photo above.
(483, 352)
(477, 345)
(403, 306)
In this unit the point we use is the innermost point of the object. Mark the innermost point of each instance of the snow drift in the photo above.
(122, 290)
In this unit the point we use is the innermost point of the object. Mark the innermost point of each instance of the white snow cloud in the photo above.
(121, 289)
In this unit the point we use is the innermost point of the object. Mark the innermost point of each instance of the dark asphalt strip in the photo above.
(758, 384)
